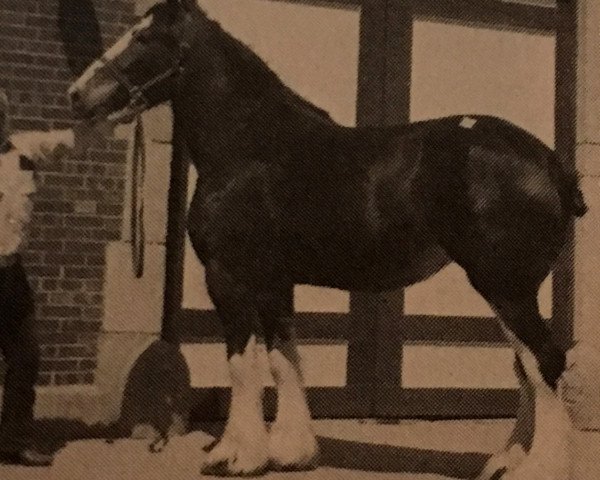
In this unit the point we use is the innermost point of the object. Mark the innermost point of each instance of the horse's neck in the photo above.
(228, 119)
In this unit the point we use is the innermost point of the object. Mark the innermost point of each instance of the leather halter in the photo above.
(138, 101)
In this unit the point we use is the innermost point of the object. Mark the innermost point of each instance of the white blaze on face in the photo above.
(117, 49)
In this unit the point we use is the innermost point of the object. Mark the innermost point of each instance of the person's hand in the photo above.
(44, 146)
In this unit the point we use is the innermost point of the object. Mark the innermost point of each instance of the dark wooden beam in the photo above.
(488, 12)
(364, 307)
(195, 326)
(565, 133)
(440, 330)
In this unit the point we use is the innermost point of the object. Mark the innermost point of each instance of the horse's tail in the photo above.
(569, 188)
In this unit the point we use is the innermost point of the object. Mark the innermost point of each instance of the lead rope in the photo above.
(137, 199)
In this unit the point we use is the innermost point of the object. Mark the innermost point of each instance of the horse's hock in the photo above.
(580, 386)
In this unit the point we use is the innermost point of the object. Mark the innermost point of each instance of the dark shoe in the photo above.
(27, 457)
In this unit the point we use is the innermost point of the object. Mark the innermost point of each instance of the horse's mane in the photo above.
(261, 74)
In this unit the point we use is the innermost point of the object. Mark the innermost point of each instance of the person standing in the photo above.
(20, 153)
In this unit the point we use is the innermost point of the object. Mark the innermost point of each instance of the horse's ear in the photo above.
(189, 4)
(186, 4)
(3, 116)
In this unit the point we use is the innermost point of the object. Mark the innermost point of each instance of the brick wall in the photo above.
(78, 208)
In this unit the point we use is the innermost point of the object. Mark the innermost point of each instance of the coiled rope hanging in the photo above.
(138, 173)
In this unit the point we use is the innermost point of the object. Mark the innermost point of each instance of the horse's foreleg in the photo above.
(292, 443)
(243, 448)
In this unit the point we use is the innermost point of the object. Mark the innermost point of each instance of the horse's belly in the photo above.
(379, 270)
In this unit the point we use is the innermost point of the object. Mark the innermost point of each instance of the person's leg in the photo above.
(21, 353)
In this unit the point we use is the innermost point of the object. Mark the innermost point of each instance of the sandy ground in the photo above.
(350, 450)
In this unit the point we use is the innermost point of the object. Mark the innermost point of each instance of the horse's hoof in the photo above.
(158, 445)
(231, 458)
(502, 462)
(290, 450)
(515, 464)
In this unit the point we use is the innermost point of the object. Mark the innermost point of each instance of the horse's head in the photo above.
(140, 70)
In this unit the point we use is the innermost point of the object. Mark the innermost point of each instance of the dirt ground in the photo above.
(350, 450)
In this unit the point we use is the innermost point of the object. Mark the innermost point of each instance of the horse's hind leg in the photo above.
(544, 421)
(243, 449)
(292, 443)
(521, 437)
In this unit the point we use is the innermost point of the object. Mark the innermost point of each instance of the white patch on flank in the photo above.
(292, 443)
(244, 446)
(468, 122)
(117, 49)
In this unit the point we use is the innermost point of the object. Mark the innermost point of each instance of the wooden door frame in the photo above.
(393, 400)
(385, 59)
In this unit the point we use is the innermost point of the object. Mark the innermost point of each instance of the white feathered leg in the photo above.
(549, 456)
(292, 443)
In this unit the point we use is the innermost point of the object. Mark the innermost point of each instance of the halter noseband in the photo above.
(137, 93)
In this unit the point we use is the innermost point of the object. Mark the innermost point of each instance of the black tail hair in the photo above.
(569, 187)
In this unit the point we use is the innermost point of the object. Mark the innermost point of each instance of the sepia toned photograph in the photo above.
(289, 239)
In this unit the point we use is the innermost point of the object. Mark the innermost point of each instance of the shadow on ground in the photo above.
(53, 435)
(50, 435)
(373, 457)
(369, 457)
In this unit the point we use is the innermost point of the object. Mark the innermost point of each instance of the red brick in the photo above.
(61, 311)
(83, 222)
(71, 285)
(112, 209)
(93, 313)
(93, 285)
(54, 206)
(50, 285)
(95, 260)
(87, 364)
(66, 379)
(47, 326)
(73, 351)
(81, 326)
(58, 337)
(65, 258)
(44, 271)
(45, 245)
(83, 247)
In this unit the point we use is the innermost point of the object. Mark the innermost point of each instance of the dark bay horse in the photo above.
(285, 195)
